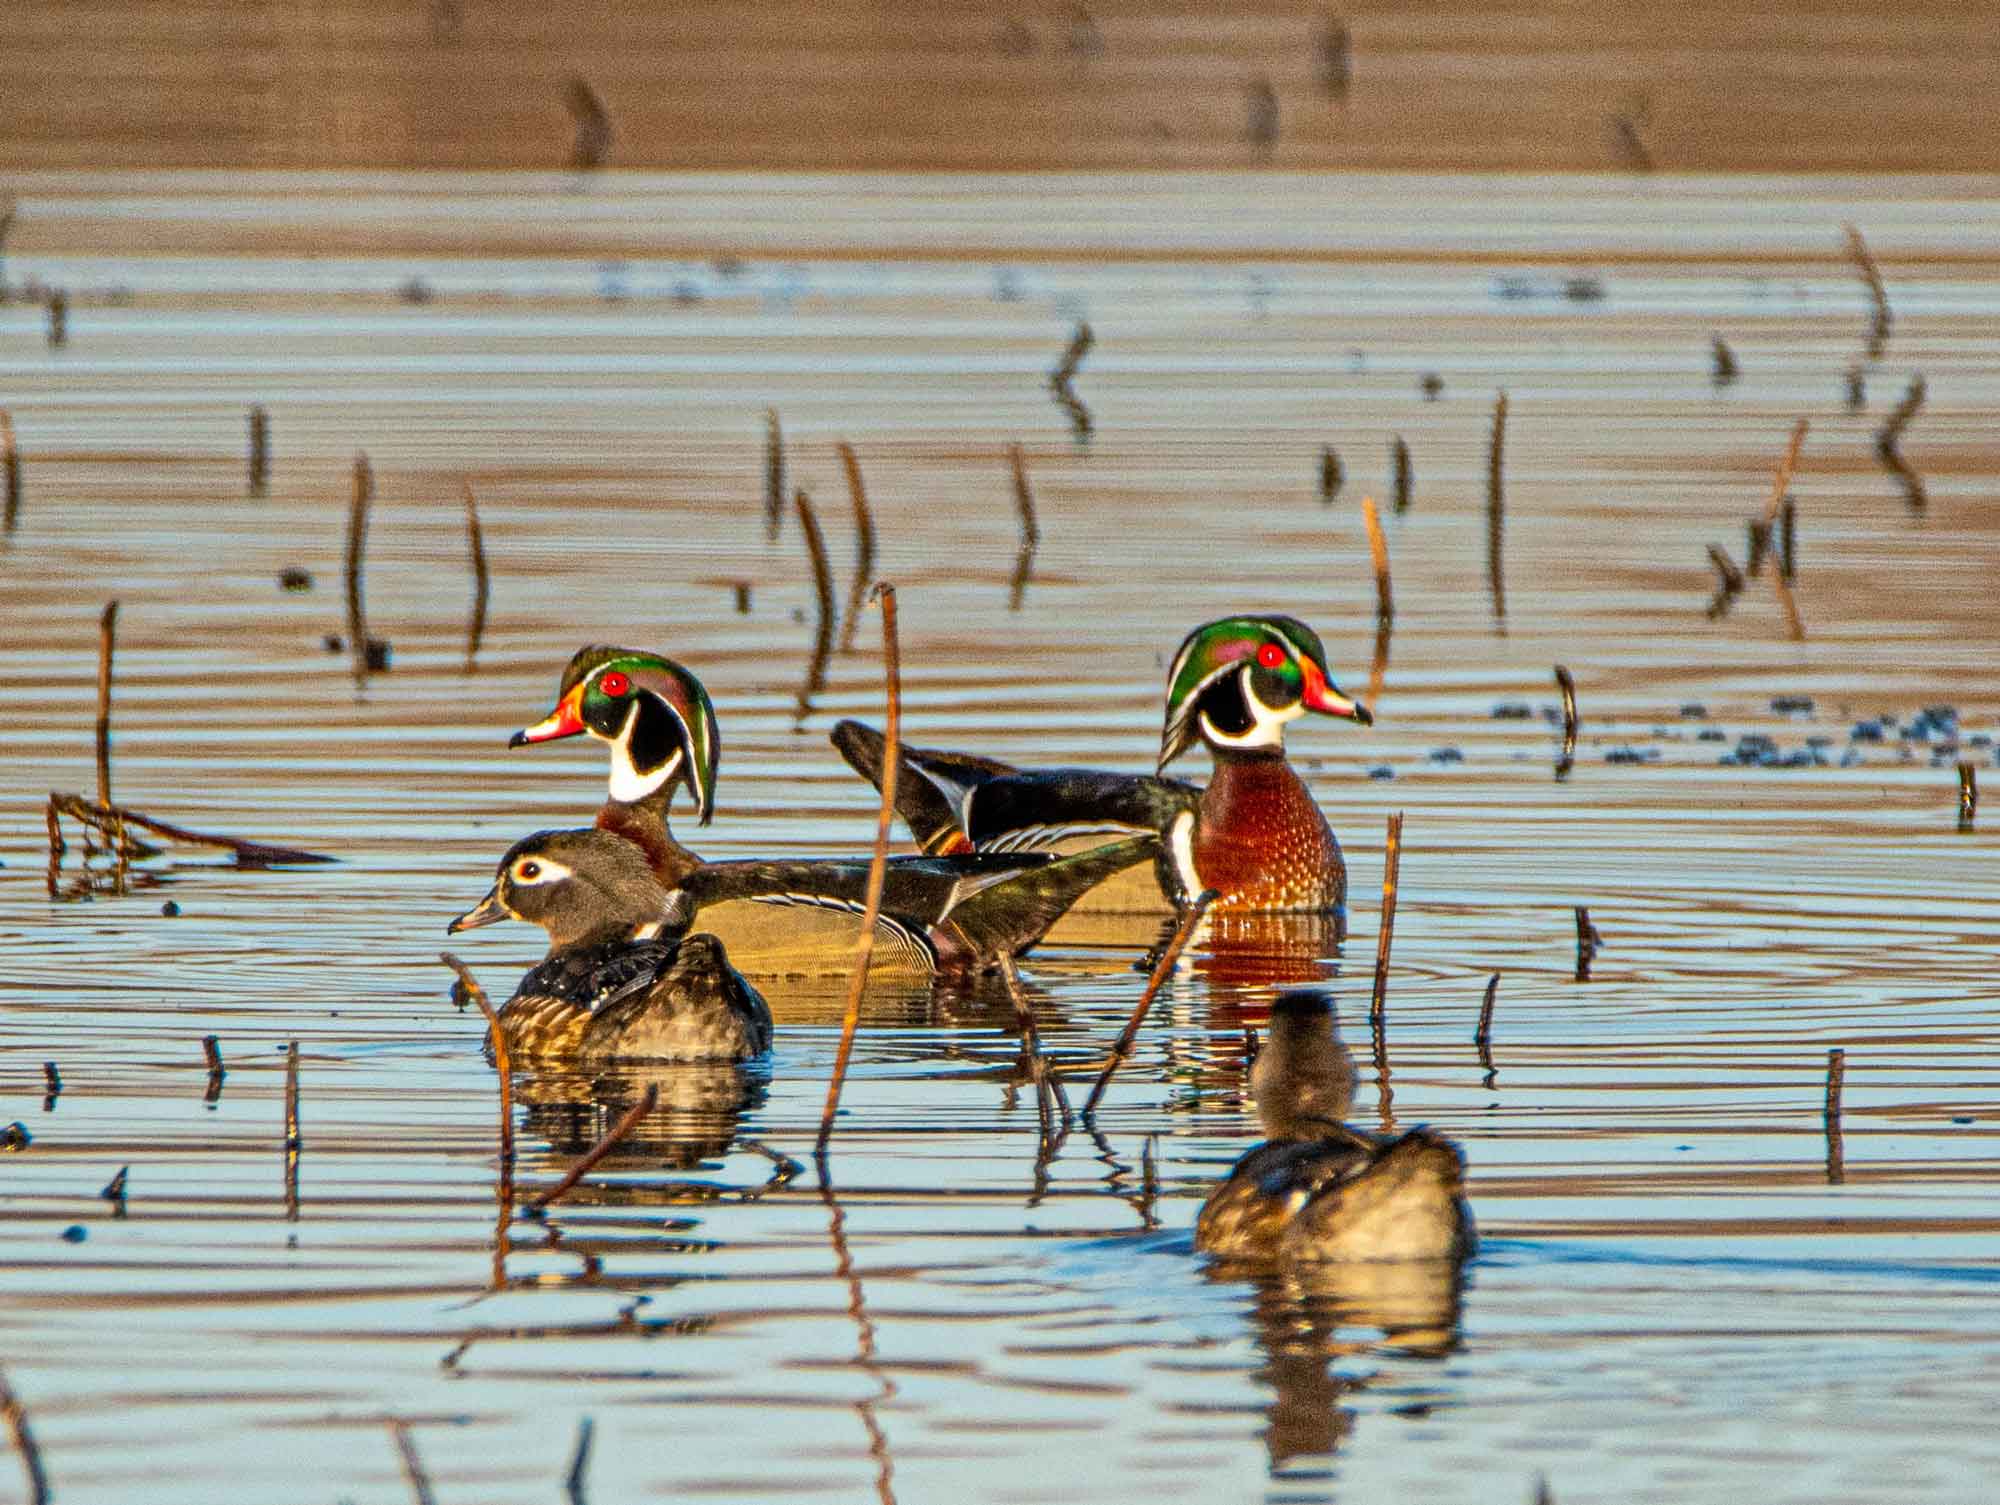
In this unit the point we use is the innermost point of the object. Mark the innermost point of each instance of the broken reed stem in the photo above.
(1568, 687)
(1191, 917)
(57, 846)
(260, 451)
(1836, 1077)
(482, 582)
(1330, 475)
(16, 1416)
(823, 594)
(497, 1038)
(1878, 293)
(648, 1100)
(51, 1079)
(357, 543)
(1496, 513)
(1483, 1036)
(1781, 479)
(247, 853)
(592, 143)
(579, 1461)
(1392, 861)
(1072, 356)
(1968, 795)
(58, 320)
(1378, 553)
(864, 544)
(1588, 941)
(107, 646)
(10, 464)
(1399, 456)
(211, 1051)
(1889, 439)
(1031, 530)
(294, 1139)
(1725, 370)
(413, 1467)
(871, 907)
(774, 475)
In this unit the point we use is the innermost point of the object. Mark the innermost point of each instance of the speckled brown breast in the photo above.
(1261, 842)
(542, 1028)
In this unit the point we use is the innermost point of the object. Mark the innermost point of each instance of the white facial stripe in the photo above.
(547, 870)
(628, 785)
(1267, 727)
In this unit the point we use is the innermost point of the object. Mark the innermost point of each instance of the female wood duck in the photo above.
(621, 982)
(962, 912)
(1254, 834)
(1317, 1190)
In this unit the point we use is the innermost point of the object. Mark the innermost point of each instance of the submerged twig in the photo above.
(627, 1121)
(1191, 918)
(1878, 293)
(496, 1038)
(1836, 1076)
(1588, 943)
(1496, 516)
(1567, 760)
(15, 1414)
(482, 584)
(774, 475)
(413, 1467)
(823, 596)
(1392, 862)
(10, 473)
(260, 451)
(871, 907)
(357, 544)
(1402, 478)
(864, 544)
(1888, 445)
(1031, 530)
(1378, 554)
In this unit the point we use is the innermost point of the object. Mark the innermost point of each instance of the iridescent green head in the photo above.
(653, 713)
(1236, 682)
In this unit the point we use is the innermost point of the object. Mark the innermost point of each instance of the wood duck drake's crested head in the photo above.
(653, 713)
(1238, 681)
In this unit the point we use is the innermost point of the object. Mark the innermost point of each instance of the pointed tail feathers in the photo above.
(1003, 919)
(931, 786)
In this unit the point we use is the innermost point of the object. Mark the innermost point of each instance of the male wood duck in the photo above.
(1317, 1190)
(621, 982)
(962, 912)
(1253, 834)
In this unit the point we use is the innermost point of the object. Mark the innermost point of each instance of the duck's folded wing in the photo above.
(932, 786)
(997, 917)
(1039, 807)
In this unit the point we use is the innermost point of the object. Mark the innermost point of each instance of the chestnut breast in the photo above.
(1261, 842)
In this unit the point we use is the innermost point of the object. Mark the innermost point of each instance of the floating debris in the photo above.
(1331, 475)
(1431, 386)
(1724, 369)
(1888, 445)
(295, 580)
(1792, 705)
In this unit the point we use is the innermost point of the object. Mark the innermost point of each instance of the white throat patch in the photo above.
(628, 785)
(1267, 726)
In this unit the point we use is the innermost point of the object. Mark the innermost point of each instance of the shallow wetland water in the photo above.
(1685, 1287)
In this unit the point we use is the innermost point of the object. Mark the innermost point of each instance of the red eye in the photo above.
(529, 871)
(615, 684)
(1270, 655)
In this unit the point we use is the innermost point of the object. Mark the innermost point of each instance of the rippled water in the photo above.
(1682, 1288)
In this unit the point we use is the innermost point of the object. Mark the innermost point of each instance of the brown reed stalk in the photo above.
(593, 126)
(864, 544)
(1031, 530)
(1048, 1090)
(1483, 1036)
(1191, 918)
(1878, 293)
(10, 472)
(57, 846)
(1336, 58)
(247, 853)
(1378, 553)
(1788, 539)
(1331, 475)
(58, 320)
(1836, 1077)
(1567, 685)
(1261, 124)
(579, 1461)
(1888, 445)
(107, 646)
(1968, 795)
(357, 544)
(1723, 367)
(1496, 512)
(497, 1038)
(1072, 356)
(15, 1414)
(1392, 862)
(413, 1467)
(1588, 943)
(1403, 477)
(51, 1079)
(1857, 389)
(260, 451)
(294, 1139)
(871, 906)
(211, 1049)
(629, 1120)
(774, 475)
(823, 594)
(1781, 479)
(482, 581)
